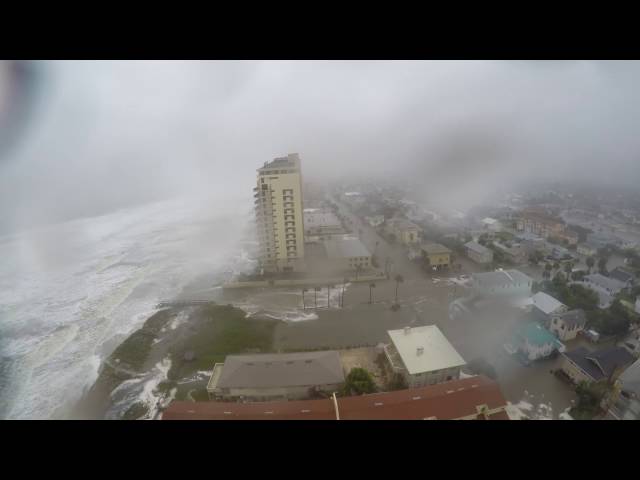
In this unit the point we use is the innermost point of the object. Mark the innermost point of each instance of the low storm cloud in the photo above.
(106, 134)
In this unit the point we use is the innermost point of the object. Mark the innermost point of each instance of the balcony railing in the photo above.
(394, 359)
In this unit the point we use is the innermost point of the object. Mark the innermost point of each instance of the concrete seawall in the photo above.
(302, 282)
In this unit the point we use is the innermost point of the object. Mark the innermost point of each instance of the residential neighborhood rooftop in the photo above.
(546, 303)
(537, 335)
(476, 247)
(600, 364)
(621, 275)
(605, 282)
(573, 318)
(424, 349)
(435, 248)
(501, 277)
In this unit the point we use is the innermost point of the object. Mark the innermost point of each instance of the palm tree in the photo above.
(329, 287)
(344, 282)
(547, 270)
(602, 264)
(399, 279)
(590, 263)
(371, 286)
(568, 268)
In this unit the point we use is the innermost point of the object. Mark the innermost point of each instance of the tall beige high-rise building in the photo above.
(279, 215)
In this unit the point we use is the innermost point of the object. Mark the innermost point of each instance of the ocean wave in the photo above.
(59, 319)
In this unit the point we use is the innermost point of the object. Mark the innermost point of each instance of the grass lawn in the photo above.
(221, 330)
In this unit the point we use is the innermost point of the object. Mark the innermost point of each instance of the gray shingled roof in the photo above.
(622, 275)
(600, 364)
(476, 247)
(281, 370)
(345, 247)
(605, 282)
(630, 378)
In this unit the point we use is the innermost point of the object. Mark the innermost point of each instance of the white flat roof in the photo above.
(437, 353)
(546, 303)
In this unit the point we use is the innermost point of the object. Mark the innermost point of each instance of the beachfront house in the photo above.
(423, 356)
(501, 283)
(536, 342)
(478, 253)
(566, 325)
(320, 223)
(280, 376)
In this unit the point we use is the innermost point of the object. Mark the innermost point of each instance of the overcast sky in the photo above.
(103, 135)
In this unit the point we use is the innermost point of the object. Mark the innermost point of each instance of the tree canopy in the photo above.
(358, 382)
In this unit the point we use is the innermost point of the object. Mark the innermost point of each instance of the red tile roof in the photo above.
(293, 410)
(445, 401)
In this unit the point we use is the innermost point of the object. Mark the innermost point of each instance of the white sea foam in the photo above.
(69, 293)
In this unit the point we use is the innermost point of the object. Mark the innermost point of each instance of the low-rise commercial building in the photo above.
(285, 376)
(320, 223)
(473, 398)
(540, 224)
(423, 356)
(347, 253)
